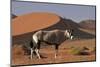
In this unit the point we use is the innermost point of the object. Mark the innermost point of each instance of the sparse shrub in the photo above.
(74, 50)
(79, 51)
(94, 50)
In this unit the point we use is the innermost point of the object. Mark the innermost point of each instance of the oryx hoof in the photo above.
(39, 58)
(31, 58)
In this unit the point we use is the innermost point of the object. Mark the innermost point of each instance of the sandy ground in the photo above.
(26, 24)
(18, 57)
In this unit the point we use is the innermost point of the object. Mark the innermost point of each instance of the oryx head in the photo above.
(68, 34)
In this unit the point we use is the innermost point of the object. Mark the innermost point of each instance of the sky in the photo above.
(75, 12)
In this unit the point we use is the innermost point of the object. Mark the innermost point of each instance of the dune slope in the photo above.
(32, 22)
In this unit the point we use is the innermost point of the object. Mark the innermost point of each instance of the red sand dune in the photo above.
(88, 24)
(32, 22)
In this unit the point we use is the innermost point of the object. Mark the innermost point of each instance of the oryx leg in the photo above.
(56, 51)
(31, 53)
(37, 53)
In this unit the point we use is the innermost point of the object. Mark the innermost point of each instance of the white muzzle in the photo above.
(71, 37)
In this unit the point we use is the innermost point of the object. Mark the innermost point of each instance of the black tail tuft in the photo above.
(31, 44)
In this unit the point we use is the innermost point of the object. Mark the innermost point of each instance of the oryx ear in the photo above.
(71, 30)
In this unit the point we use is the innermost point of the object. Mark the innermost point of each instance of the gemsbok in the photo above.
(54, 37)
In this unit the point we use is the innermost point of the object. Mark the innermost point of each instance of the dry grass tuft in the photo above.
(79, 51)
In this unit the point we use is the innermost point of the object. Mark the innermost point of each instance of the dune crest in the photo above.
(88, 24)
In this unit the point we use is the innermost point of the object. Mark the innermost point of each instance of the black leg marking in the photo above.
(56, 50)
(39, 44)
(31, 44)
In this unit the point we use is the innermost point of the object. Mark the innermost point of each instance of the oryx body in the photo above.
(54, 37)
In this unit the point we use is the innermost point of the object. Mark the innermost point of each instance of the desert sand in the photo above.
(23, 27)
